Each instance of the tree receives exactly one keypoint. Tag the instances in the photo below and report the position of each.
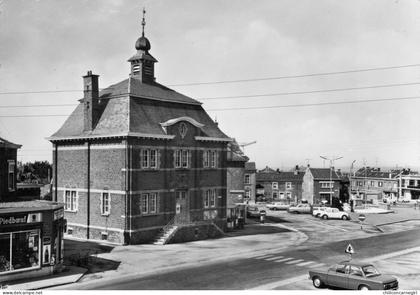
(34, 172)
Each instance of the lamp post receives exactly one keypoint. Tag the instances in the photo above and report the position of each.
(331, 165)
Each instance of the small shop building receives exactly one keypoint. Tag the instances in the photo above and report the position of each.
(31, 239)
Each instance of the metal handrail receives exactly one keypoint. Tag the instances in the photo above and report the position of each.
(169, 224)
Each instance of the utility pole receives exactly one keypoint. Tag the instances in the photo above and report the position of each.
(331, 166)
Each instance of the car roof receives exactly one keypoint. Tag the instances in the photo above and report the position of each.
(355, 263)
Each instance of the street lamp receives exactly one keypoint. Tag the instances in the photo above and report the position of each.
(331, 165)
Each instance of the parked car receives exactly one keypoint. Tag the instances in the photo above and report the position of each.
(317, 211)
(278, 206)
(334, 213)
(252, 211)
(354, 276)
(300, 208)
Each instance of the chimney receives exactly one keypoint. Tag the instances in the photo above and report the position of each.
(90, 101)
(296, 170)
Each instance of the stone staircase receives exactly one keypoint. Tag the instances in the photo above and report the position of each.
(166, 234)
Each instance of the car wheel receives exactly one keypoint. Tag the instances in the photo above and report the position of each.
(344, 217)
(324, 217)
(316, 281)
(363, 288)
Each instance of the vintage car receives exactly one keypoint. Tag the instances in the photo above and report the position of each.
(354, 276)
(316, 211)
(334, 213)
(300, 208)
(278, 206)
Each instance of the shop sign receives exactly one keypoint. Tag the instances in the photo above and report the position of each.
(59, 214)
(12, 220)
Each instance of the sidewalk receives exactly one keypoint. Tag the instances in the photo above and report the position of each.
(397, 214)
(71, 274)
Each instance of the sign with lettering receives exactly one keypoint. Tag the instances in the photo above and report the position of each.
(59, 214)
(13, 220)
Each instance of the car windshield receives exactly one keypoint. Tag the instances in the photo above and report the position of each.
(370, 271)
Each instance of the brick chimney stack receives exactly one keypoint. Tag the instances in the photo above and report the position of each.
(90, 101)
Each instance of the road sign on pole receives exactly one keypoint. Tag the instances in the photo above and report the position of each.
(362, 218)
(349, 249)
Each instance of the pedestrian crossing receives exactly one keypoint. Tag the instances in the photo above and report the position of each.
(289, 260)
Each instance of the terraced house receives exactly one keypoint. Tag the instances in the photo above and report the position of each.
(138, 157)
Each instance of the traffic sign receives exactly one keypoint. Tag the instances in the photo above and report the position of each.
(349, 249)
(362, 217)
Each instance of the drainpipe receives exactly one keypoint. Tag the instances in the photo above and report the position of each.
(88, 192)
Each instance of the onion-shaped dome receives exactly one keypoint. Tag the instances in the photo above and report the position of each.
(143, 43)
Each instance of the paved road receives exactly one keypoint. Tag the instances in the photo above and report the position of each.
(264, 270)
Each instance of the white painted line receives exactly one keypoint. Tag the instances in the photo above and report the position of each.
(273, 258)
(284, 259)
(294, 261)
(305, 263)
(263, 256)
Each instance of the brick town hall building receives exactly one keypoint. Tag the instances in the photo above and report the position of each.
(138, 157)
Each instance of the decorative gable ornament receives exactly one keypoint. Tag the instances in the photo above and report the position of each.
(183, 129)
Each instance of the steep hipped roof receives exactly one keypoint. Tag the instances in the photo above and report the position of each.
(7, 144)
(250, 166)
(324, 174)
(132, 107)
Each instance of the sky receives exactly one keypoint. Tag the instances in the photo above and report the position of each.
(48, 45)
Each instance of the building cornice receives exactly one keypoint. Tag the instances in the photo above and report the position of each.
(216, 139)
(107, 136)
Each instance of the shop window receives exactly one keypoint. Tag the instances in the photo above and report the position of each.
(105, 203)
(70, 200)
(11, 175)
(19, 251)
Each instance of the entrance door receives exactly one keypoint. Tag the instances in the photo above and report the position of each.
(182, 212)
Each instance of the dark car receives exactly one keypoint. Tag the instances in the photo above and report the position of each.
(354, 276)
(252, 211)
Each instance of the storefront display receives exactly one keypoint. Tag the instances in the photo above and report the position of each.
(30, 239)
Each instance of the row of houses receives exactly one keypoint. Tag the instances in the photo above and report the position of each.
(325, 185)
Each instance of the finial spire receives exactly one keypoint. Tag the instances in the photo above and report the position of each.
(143, 22)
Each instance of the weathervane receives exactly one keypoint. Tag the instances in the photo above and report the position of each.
(143, 22)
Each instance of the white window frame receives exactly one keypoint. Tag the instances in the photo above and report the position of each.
(185, 158)
(206, 198)
(213, 198)
(153, 158)
(326, 184)
(213, 159)
(275, 185)
(247, 192)
(288, 195)
(177, 158)
(149, 158)
(275, 194)
(105, 203)
(11, 182)
(73, 200)
(247, 179)
(288, 185)
(153, 203)
(144, 203)
(380, 184)
(206, 159)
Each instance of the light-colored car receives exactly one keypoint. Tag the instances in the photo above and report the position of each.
(317, 211)
(334, 213)
(253, 211)
(300, 208)
(278, 206)
(354, 276)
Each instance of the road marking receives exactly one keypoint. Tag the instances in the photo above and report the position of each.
(273, 258)
(277, 284)
(294, 261)
(263, 256)
(284, 259)
(305, 263)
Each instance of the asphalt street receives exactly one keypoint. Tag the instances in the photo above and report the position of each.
(263, 269)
